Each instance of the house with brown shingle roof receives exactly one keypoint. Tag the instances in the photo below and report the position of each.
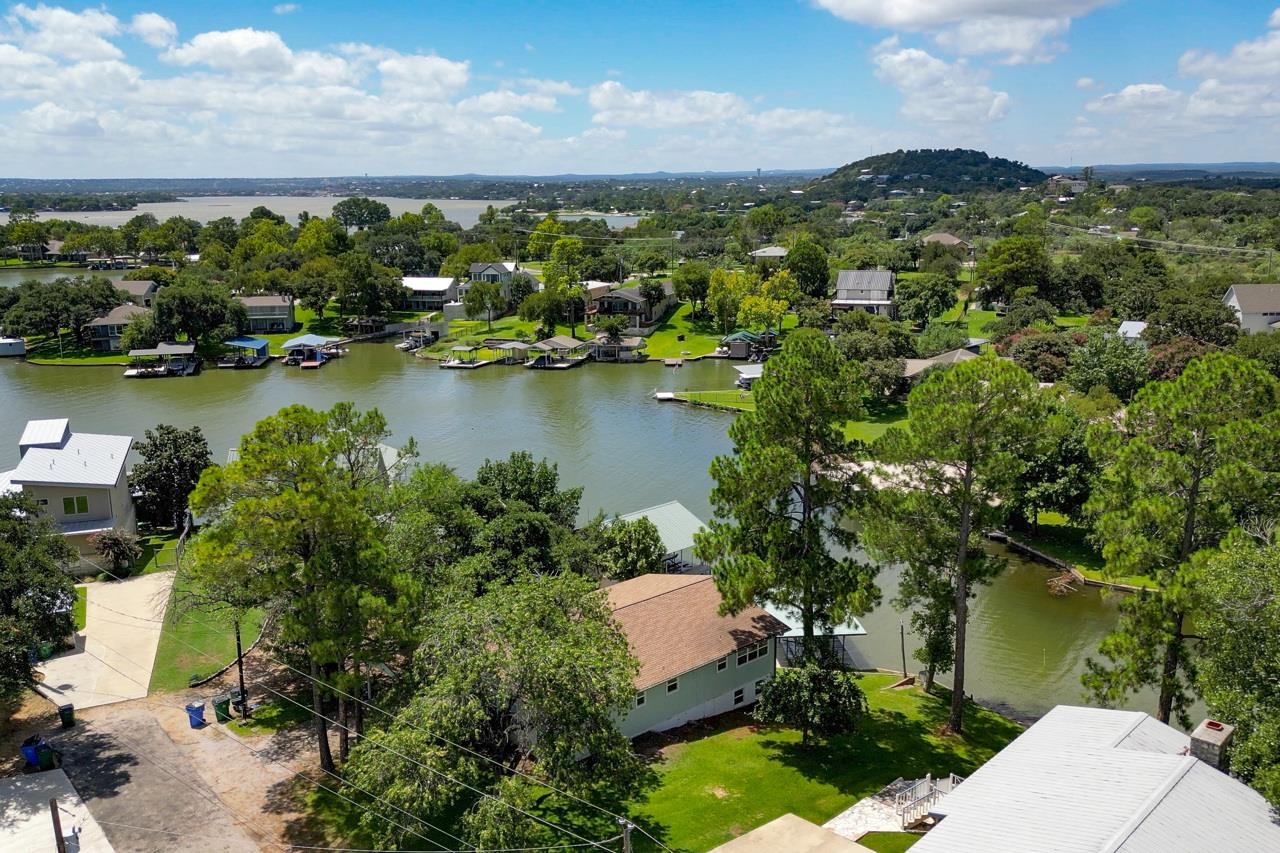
(694, 662)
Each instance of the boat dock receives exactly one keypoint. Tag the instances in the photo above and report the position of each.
(463, 357)
(165, 359)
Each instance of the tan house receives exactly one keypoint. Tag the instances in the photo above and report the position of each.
(105, 331)
(628, 302)
(78, 480)
(694, 662)
(268, 313)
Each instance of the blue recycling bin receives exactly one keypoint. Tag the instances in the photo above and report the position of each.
(195, 714)
(31, 749)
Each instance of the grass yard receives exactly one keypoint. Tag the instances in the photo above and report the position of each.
(1057, 537)
(196, 640)
(732, 399)
(719, 783)
(78, 607)
(889, 842)
(273, 715)
(700, 337)
(159, 552)
(879, 419)
(47, 351)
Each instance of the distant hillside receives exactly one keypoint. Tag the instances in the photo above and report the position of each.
(954, 170)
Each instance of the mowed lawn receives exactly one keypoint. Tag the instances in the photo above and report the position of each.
(736, 776)
(196, 641)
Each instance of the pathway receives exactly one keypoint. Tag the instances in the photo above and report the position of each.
(115, 652)
(870, 814)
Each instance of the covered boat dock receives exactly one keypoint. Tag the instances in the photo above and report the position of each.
(250, 353)
(164, 359)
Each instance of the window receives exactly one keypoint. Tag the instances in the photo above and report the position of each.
(738, 697)
(640, 699)
(673, 685)
(42, 501)
(746, 654)
(78, 505)
(722, 663)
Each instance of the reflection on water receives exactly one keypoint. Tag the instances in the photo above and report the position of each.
(1026, 648)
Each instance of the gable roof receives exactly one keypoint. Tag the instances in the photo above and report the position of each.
(136, 288)
(264, 300)
(500, 266)
(1091, 779)
(676, 525)
(916, 366)
(52, 432)
(307, 340)
(428, 284)
(559, 342)
(120, 315)
(1132, 329)
(864, 286)
(83, 459)
(769, 252)
(944, 238)
(673, 624)
(1256, 298)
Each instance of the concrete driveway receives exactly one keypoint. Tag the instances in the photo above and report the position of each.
(148, 793)
(115, 652)
(25, 821)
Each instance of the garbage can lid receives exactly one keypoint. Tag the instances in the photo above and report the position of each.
(66, 707)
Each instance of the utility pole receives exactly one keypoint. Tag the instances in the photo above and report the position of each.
(244, 697)
(627, 826)
(902, 635)
(58, 840)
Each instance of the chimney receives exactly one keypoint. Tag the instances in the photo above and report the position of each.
(1210, 742)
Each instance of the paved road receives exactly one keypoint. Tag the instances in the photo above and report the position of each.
(25, 821)
(116, 650)
(144, 790)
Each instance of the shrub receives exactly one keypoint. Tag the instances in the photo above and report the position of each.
(117, 547)
(812, 699)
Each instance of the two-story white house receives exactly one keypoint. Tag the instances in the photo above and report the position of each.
(1257, 306)
(429, 293)
(77, 479)
(694, 662)
(268, 313)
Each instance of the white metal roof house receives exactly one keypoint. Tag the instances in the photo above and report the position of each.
(429, 293)
(1257, 306)
(774, 253)
(1130, 331)
(1089, 779)
(865, 290)
(676, 526)
(78, 479)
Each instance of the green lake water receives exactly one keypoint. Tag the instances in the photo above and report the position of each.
(598, 423)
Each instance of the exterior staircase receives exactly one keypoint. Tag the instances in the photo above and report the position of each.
(912, 801)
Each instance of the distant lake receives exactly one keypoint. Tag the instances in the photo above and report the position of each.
(464, 211)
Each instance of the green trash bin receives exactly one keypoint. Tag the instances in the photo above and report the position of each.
(46, 757)
(222, 708)
(67, 714)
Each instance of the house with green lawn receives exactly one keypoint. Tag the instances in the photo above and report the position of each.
(694, 662)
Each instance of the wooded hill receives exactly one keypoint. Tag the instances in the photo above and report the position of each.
(956, 170)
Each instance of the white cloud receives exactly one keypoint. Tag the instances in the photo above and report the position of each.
(156, 30)
(615, 104)
(1016, 29)
(550, 87)
(1138, 98)
(1248, 59)
(1274, 20)
(428, 77)
(936, 92)
(243, 50)
(285, 8)
(507, 101)
(50, 119)
(59, 32)
(1087, 83)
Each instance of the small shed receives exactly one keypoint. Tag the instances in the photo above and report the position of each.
(740, 344)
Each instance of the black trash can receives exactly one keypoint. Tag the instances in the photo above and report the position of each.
(67, 714)
(237, 700)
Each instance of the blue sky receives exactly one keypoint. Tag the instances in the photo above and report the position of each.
(252, 89)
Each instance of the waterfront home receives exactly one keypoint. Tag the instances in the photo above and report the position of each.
(1257, 306)
(78, 480)
(428, 293)
(676, 527)
(268, 313)
(694, 661)
(105, 331)
(624, 349)
(138, 292)
(1093, 779)
(499, 271)
(641, 314)
(865, 290)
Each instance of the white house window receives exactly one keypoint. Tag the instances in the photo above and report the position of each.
(738, 697)
(752, 652)
(640, 699)
(673, 685)
(722, 663)
(78, 505)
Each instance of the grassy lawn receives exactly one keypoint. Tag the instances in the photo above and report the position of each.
(889, 842)
(273, 715)
(879, 418)
(159, 552)
(700, 337)
(732, 398)
(1057, 537)
(47, 351)
(737, 776)
(196, 641)
(77, 608)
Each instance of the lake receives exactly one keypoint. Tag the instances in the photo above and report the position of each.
(465, 212)
(598, 423)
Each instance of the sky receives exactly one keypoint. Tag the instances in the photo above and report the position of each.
(239, 89)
